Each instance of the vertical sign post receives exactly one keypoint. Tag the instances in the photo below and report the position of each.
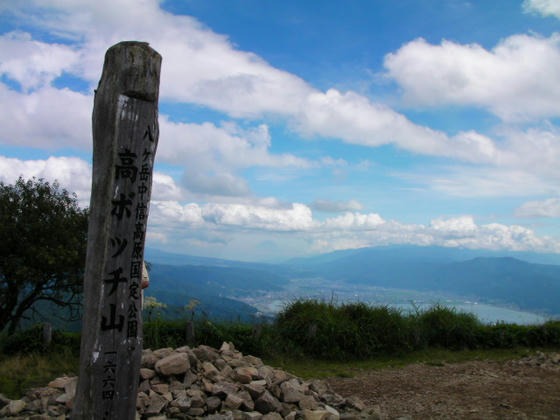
(125, 136)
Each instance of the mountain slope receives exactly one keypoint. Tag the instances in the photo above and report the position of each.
(530, 286)
(484, 275)
(214, 286)
(462, 272)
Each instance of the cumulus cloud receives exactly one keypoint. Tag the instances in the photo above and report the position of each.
(31, 63)
(355, 119)
(454, 227)
(165, 213)
(200, 66)
(203, 67)
(53, 119)
(452, 232)
(164, 187)
(329, 206)
(543, 7)
(497, 236)
(350, 230)
(72, 173)
(212, 155)
(525, 163)
(539, 208)
(515, 80)
(46, 118)
(213, 148)
(297, 217)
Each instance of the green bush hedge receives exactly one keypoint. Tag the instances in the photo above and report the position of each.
(31, 341)
(359, 331)
(324, 330)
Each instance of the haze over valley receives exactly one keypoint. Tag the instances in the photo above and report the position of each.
(495, 286)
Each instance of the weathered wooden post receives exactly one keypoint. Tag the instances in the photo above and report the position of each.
(47, 335)
(125, 136)
(189, 333)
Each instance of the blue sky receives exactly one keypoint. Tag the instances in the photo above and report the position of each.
(294, 128)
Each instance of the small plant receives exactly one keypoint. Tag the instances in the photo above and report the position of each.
(191, 307)
(151, 304)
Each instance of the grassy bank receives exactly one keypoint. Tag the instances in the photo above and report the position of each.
(309, 338)
(433, 356)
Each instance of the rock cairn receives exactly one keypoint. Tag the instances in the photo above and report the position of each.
(203, 382)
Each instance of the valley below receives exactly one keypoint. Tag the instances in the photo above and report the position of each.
(510, 287)
(271, 303)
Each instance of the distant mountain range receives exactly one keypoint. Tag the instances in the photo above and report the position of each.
(514, 278)
(529, 281)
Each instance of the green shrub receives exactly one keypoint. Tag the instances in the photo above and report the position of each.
(445, 327)
(322, 330)
(374, 330)
(353, 330)
(314, 327)
(503, 335)
(31, 341)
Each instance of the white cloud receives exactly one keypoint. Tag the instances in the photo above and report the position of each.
(498, 236)
(352, 221)
(33, 64)
(203, 67)
(535, 150)
(213, 155)
(221, 183)
(215, 148)
(296, 218)
(199, 65)
(169, 213)
(336, 206)
(354, 119)
(452, 232)
(47, 118)
(454, 227)
(516, 80)
(523, 164)
(544, 7)
(539, 208)
(72, 173)
(486, 182)
(164, 187)
(53, 119)
(350, 230)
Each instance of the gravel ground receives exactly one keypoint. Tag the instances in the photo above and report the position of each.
(523, 389)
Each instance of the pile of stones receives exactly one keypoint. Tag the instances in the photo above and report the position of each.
(549, 361)
(202, 382)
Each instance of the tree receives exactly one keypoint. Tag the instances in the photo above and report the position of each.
(43, 235)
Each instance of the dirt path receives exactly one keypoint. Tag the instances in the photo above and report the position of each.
(524, 389)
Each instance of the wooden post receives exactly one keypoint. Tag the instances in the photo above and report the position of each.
(189, 333)
(125, 136)
(47, 335)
